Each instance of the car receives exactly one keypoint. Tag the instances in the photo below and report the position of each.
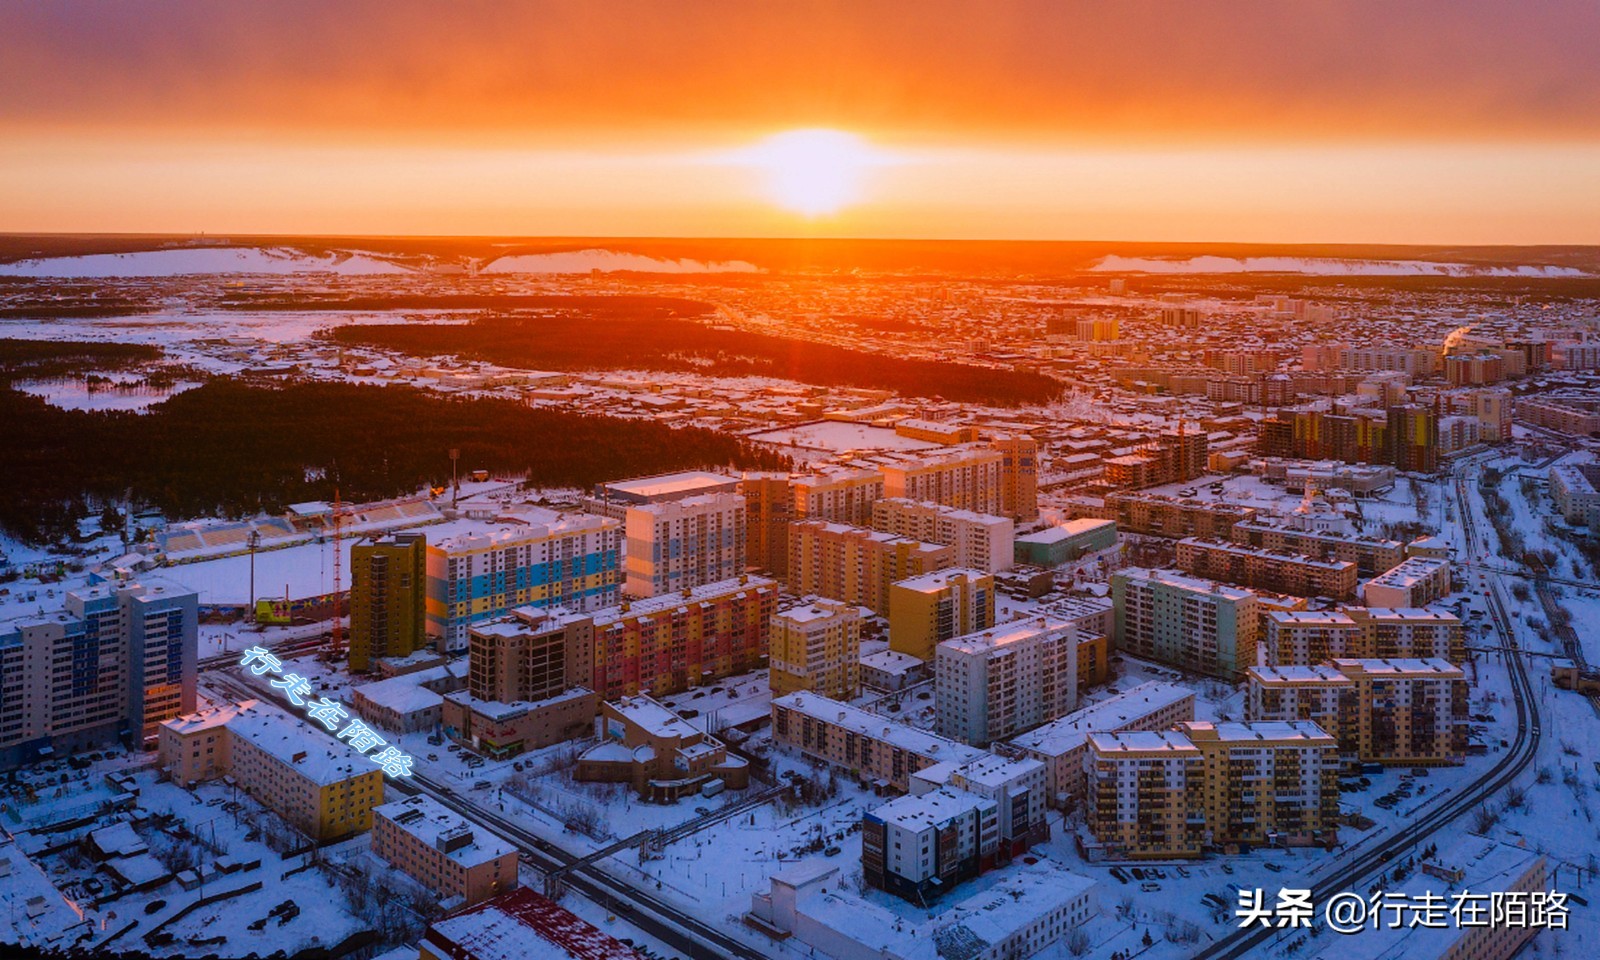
(832, 852)
(482, 785)
(1149, 886)
(703, 811)
(1138, 873)
(1227, 868)
(155, 906)
(433, 756)
(1117, 872)
(1273, 867)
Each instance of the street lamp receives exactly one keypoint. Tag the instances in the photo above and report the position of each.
(455, 484)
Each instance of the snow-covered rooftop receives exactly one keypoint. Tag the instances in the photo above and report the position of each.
(430, 822)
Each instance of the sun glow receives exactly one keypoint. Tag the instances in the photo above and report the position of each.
(814, 172)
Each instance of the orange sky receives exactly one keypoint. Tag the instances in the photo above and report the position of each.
(1465, 121)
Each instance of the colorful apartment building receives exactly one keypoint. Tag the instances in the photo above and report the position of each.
(927, 610)
(673, 642)
(388, 593)
(573, 562)
(111, 666)
(678, 545)
(855, 564)
(816, 646)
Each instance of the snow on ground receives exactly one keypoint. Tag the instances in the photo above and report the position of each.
(606, 261)
(126, 393)
(1323, 266)
(199, 260)
(838, 436)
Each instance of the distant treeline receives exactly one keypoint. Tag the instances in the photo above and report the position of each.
(617, 338)
(234, 449)
(24, 359)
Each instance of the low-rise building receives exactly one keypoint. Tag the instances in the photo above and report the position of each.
(874, 748)
(1066, 542)
(891, 670)
(1415, 582)
(317, 784)
(644, 744)
(499, 729)
(460, 861)
(1575, 493)
(517, 926)
(1021, 914)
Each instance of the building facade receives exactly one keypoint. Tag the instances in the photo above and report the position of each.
(1010, 678)
(388, 594)
(682, 544)
(573, 563)
(925, 611)
(981, 541)
(816, 646)
(460, 861)
(857, 565)
(1185, 621)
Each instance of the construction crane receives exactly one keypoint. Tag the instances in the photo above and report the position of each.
(336, 634)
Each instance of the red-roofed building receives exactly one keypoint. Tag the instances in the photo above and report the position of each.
(517, 926)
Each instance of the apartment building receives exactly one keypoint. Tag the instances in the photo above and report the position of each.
(1202, 785)
(317, 784)
(1185, 621)
(927, 610)
(460, 861)
(873, 748)
(1144, 796)
(1414, 582)
(1019, 476)
(501, 729)
(1371, 555)
(981, 541)
(917, 846)
(1575, 493)
(519, 925)
(1061, 744)
(574, 562)
(1162, 516)
(1007, 679)
(673, 642)
(968, 477)
(857, 565)
(1015, 784)
(1276, 570)
(388, 593)
(1318, 693)
(816, 646)
(841, 496)
(111, 666)
(1317, 636)
(768, 510)
(1411, 712)
(1575, 412)
(682, 544)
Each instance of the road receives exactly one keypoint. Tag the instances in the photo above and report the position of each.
(1351, 875)
(685, 933)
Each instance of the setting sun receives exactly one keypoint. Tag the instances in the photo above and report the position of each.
(814, 172)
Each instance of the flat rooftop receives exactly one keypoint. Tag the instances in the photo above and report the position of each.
(1070, 732)
(920, 742)
(428, 821)
(669, 485)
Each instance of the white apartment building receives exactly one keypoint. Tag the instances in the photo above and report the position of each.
(982, 541)
(1007, 679)
(682, 544)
